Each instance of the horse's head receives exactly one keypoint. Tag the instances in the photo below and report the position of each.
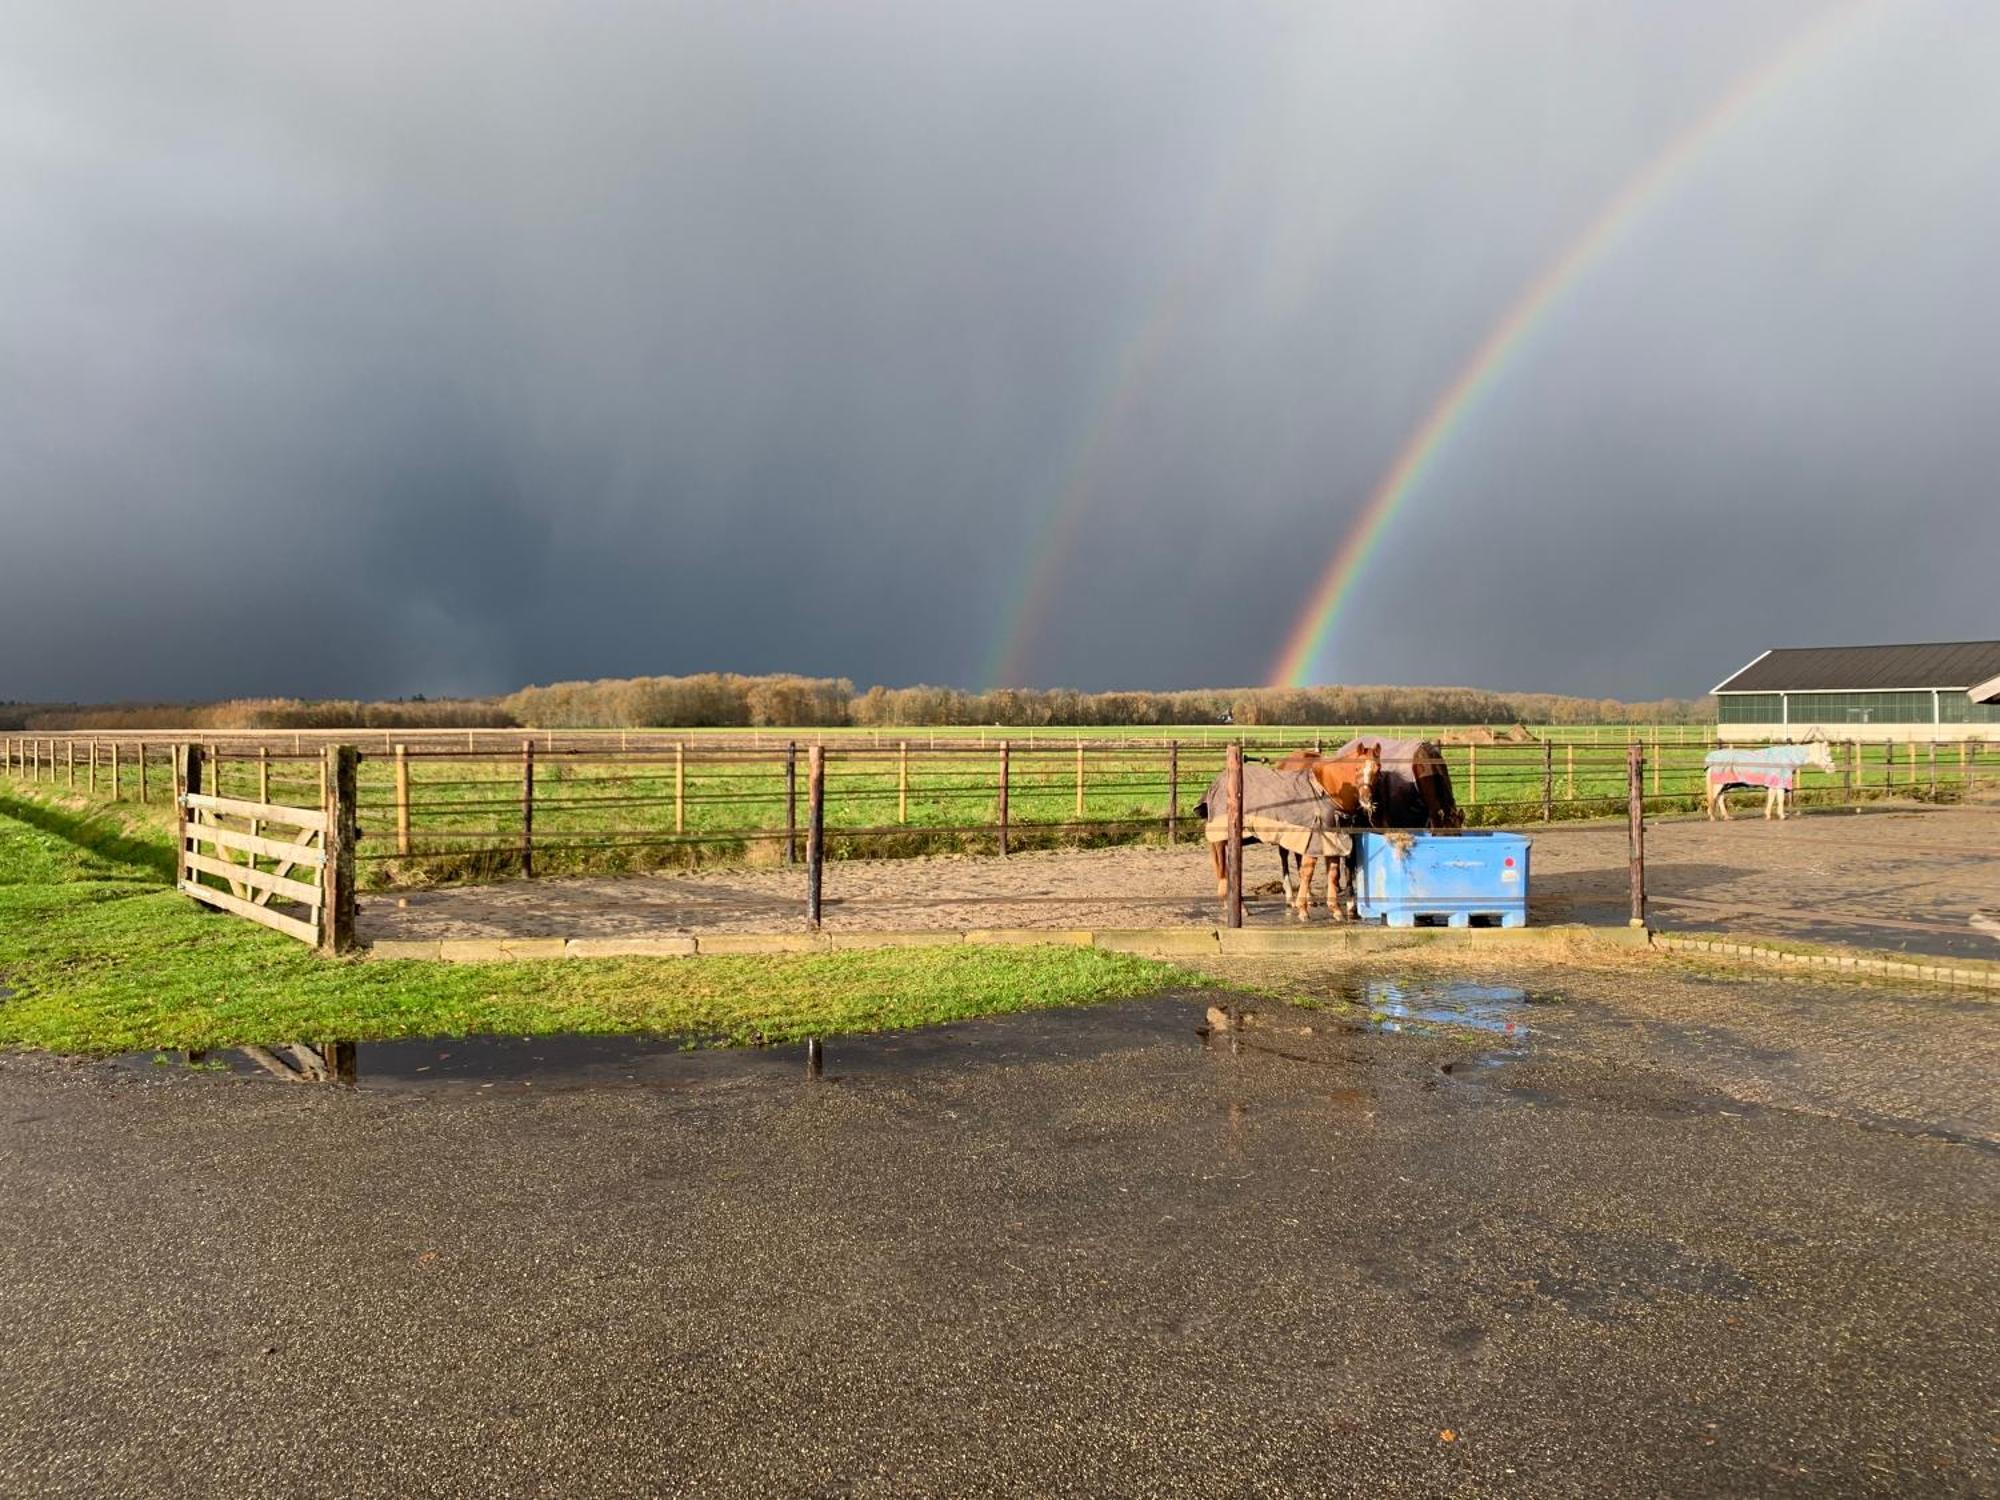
(1367, 771)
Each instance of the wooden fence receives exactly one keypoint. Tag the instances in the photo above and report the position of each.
(283, 831)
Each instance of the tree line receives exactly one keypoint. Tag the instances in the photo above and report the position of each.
(712, 700)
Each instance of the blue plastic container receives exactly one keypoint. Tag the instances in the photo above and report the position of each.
(1442, 879)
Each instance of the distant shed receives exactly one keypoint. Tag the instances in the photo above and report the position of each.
(1939, 690)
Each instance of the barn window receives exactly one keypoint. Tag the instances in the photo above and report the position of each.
(1749, 708)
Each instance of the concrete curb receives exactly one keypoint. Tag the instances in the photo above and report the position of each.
(1149, 942)
(1775, 953)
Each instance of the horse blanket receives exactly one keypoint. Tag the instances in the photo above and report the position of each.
(1283, 808)
(1766, 766)
(1406, 764)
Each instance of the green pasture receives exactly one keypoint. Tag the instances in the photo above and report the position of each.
(99, 954)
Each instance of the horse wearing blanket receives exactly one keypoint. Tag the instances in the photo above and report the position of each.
(1775, 768)
(1302, 812)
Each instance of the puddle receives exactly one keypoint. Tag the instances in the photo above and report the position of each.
(1428, 1007)
(1398, 1005)
(566, 1062)
(560, 1063)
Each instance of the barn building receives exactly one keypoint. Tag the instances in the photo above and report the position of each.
(1944, 691)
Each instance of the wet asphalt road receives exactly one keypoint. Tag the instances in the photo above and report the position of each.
(1089, 1253)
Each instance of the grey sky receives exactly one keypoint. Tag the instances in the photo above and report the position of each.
(375, 349)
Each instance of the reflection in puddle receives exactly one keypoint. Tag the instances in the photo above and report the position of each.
(503, 1063)
(549, 1064)
(1396, 1006)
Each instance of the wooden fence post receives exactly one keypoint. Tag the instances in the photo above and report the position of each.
(1849, 761)
(1471, 774)
(1932, 750)
(1964, 774)
(680, 786)
(69, 758)
(1233, 917)
(903, 782)
(142, 772)
(1635, 779)
(528, 808)
(1569, 772)
(1173, 790)
(187, 782)
(1548, 781)
(1003, 797)
(1079, 778)
(402, 800)
(337, 894)
(792, 803)
(815, 831)
(117, 788)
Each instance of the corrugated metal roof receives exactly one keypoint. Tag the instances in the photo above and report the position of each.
(1857, 669)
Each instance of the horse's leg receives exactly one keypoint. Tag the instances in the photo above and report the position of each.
(1285, 871)
(1708, 802)
(1216, 849)
(1303, 906)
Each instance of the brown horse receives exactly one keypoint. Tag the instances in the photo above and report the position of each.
(1349, 783)
(1349, 780)
(1412, 788)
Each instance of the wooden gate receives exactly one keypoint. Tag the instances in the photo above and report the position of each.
(284, 867)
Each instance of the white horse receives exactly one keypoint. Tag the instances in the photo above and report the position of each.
(1772, 768)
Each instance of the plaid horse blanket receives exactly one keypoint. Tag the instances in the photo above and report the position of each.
(1285, 808)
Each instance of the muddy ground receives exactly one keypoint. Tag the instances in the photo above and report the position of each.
(1583, 1232)
(1890, 876)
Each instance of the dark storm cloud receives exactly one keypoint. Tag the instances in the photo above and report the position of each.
(370, 350)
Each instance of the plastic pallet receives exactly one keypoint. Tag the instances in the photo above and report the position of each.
(1456, 918)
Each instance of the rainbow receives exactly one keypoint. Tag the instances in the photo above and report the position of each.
(1055, 532)
(1127, 377)
(1496, 352)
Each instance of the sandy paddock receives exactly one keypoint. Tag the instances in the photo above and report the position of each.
(1890, 876)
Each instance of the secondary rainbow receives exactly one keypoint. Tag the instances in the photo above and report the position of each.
(1495, 352)
(1055, 530)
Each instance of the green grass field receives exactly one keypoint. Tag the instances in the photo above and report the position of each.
(99, 955)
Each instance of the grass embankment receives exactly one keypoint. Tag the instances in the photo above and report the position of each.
(102, 956)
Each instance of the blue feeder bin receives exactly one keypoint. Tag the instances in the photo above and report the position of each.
(1442, 879)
